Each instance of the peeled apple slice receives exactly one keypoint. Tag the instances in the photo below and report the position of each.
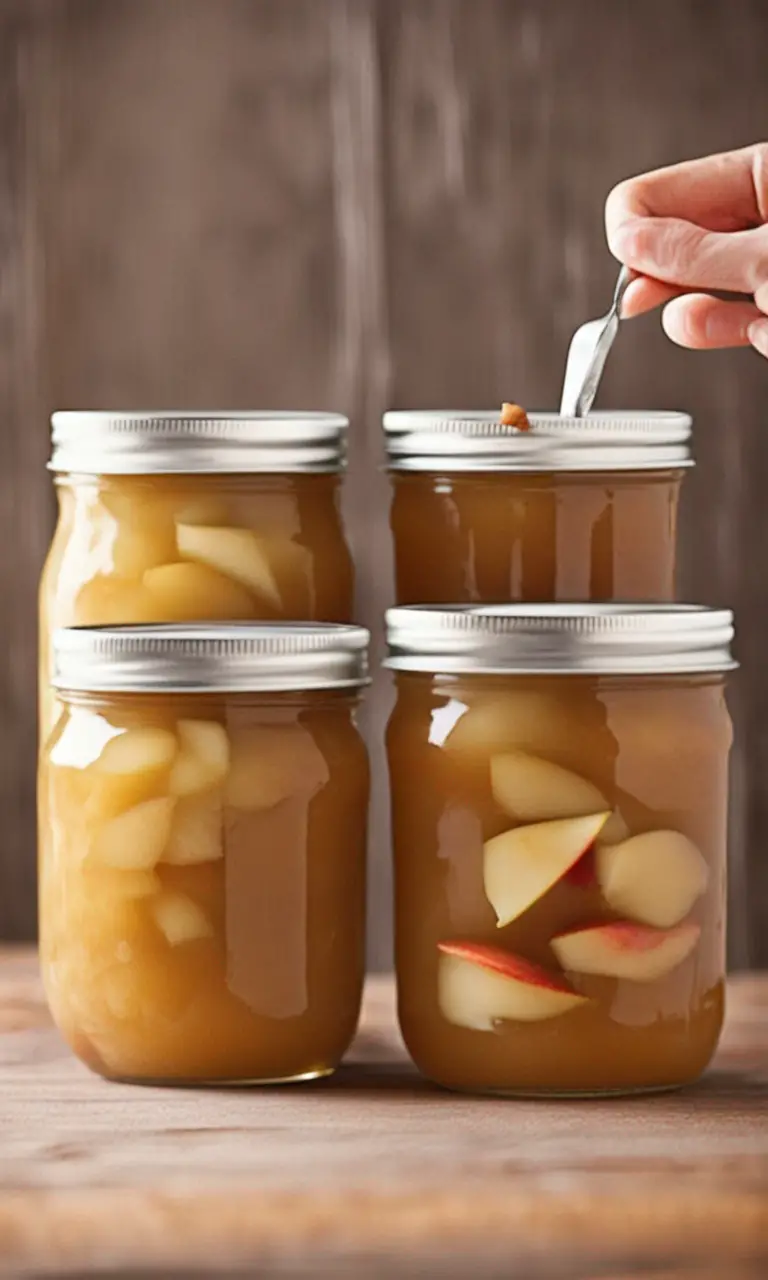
(138, 751)
(180, 919)
(269, 764)
(237, 553)
(105, 600)
(626, 950)
(520, 865)
(146, 539)
(535, 790)
(188, 592)
(135, 840)
(526, 719)
(479, 985)
(196, 831)
(655, 877)
(203, 760)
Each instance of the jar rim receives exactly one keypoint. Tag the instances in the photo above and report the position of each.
(210, 658)
(616, 440)
(560, 639)
(180, 441)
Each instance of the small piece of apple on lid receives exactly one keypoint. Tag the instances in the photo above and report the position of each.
(655, 877)
(623, 949)
(520, 865)
(479, 985)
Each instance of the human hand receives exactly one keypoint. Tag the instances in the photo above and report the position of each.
(698, 225)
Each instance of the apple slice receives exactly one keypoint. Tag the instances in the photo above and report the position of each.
(138, 751)
(189, 592)
(237, 553)
(525, 719)
(522, 864)
(145, 539)
(196, 831)
(583, 875)
(107, 598)
(626, 950)
(535, 790)
(655, 877)
(135, 840)
(203, 760)
(479, 985)
(272, 762)
(180, 919)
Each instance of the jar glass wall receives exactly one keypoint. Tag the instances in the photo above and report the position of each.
(202, 881)
(571, 510)
(560, 862)
(487, 537)
(188, 530)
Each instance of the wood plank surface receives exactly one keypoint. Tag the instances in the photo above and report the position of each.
(375, 1172)
(352, 203)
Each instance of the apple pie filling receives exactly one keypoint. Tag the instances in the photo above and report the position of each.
(559, 845)
(202, 873)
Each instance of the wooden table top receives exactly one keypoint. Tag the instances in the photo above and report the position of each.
(374, 1172)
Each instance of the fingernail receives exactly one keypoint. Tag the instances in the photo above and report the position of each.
(719, 328)
(757, 333)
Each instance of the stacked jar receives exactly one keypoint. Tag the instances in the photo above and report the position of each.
(558, 757)
(203, 786)
(187, 517)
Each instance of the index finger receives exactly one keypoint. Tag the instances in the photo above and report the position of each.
(726, 192)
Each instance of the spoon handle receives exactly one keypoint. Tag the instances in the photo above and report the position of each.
(588, 353)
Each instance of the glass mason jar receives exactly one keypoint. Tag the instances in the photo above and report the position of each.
(574, 509)
(186, 517)
(203, 803)
(559, 782)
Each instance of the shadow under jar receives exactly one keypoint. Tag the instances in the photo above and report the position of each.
(559, 780)
(574, 509)
(187, 517)
(203, 806)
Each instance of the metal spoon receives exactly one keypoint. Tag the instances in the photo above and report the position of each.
(588, 353)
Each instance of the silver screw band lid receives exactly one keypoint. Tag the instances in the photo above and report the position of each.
(431, 439)
(175, 441)
(210, 658)
(560, 639)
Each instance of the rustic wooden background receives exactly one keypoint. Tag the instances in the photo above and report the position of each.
(355, 204)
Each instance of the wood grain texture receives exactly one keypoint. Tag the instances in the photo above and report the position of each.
(350, 203)
(375, 1172)
(25, 504)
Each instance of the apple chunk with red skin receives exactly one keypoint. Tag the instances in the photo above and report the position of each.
(522, 864)
(479, 985)
(624, 949)
(655, 877)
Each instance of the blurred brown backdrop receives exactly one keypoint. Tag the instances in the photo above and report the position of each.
(350, 204)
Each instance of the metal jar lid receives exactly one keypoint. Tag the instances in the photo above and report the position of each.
(210, 658)
(560, 639)
(432, 439)
(107, 443)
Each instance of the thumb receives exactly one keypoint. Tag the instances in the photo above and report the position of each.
(684, 254)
